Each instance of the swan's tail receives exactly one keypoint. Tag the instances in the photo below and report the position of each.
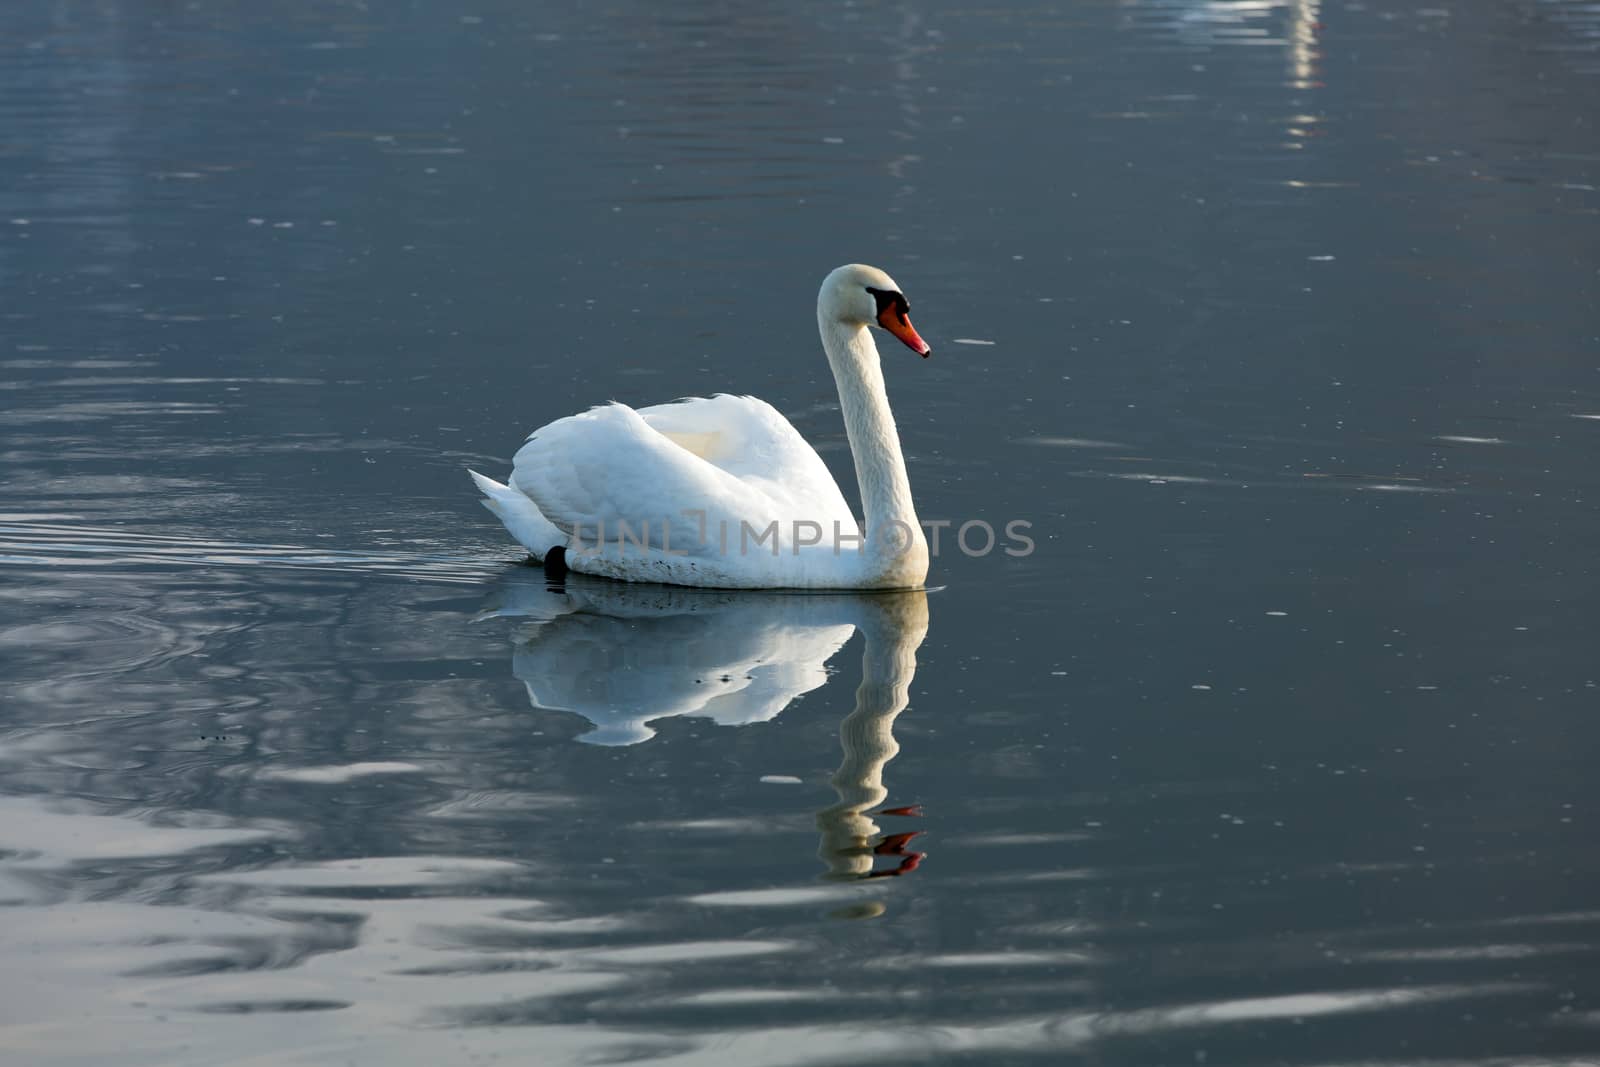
(520, 515)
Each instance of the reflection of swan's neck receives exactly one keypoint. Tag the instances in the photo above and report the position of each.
(874, 440)
(893, 632)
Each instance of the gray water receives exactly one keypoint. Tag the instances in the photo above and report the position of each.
(1277, 749)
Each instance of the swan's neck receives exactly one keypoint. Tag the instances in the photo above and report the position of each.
(886, 504)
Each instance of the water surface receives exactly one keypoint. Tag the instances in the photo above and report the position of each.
(1276, 320)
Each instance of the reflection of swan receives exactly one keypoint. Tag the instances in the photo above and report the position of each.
(686, 493)
(623, 656)
(894, 628)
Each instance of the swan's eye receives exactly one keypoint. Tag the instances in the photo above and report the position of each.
(889, 300)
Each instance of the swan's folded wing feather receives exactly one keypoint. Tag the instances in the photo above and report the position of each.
(751, 440)
(608, 466)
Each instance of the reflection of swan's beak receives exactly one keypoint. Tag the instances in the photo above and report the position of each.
(913, 811)
(900, 325)
(895, 845)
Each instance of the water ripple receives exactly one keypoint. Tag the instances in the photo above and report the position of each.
(73, 545)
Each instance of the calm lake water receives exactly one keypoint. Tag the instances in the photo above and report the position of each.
(1276, 320)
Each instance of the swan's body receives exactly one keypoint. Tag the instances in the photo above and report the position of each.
(723, 491)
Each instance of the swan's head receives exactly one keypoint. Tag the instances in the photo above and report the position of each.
(859, 295)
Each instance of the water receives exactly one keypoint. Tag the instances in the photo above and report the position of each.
(1277, 749)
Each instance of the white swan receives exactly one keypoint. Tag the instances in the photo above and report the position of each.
(723, 491)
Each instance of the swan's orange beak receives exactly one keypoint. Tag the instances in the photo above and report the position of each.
(899, 324)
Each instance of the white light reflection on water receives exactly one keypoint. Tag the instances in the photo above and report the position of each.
(1289, 24)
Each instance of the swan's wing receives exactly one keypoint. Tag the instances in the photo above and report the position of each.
(751, 440)
(608, 466)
